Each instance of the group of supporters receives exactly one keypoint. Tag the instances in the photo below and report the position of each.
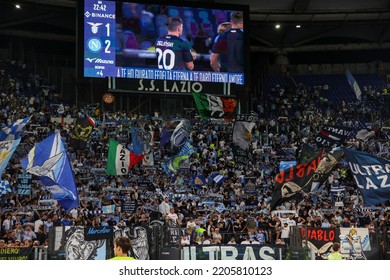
(230, 209)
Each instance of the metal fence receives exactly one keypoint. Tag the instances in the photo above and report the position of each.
(163, 241)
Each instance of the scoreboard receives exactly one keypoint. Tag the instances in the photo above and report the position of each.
(119, 41)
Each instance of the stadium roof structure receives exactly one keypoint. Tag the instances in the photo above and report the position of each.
(304, 25)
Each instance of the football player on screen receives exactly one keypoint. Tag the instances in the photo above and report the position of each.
(173, 52)
(228, 50)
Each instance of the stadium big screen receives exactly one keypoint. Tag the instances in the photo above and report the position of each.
(167, 48)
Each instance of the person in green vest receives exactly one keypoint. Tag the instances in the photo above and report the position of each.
(335, 255)
(122, 246)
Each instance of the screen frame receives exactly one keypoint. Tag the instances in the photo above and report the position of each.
(80, 41)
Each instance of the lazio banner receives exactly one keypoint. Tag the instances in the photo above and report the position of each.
(371, 174)
(118, 161)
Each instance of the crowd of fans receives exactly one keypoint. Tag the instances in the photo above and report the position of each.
(209, 213)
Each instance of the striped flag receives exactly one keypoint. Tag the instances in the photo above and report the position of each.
(4, 187)
(219, 179)
(118, 161)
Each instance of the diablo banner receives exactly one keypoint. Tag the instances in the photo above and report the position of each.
(320, 240)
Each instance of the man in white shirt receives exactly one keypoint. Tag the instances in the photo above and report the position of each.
(164, 208)
(172, 217)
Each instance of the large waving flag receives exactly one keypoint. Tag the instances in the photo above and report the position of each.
(372, 176)
(211, 106)
(306, 177)
(351, 80)
(81, 132)
(12, 132)
(48, 160)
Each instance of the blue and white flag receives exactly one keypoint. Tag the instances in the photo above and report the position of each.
(354, 85)
(335, 188)
(219, 179)
(4, 187)
(372, 176)
(7, 148)
(48, 160)
(12, 132)
(220, 207)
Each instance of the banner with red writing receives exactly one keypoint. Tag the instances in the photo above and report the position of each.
(320, 240)
(306, 177)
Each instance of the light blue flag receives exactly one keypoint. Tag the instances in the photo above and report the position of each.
(108, 209)
(351, 80)
(12, 132)
(7, 148)
(48, 161)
